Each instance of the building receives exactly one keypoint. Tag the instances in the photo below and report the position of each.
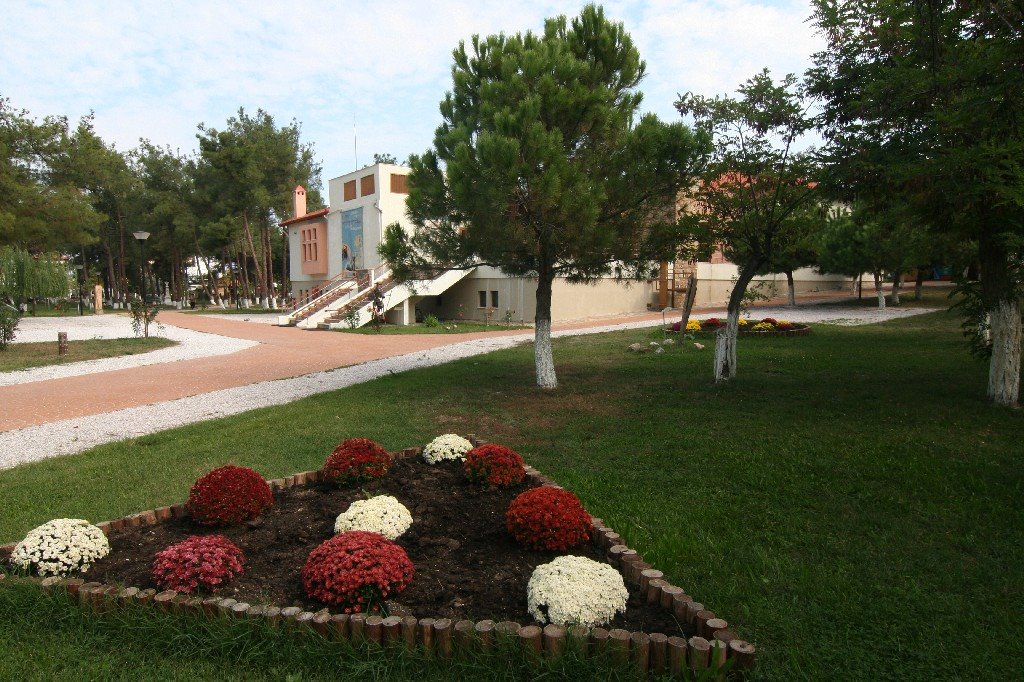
(334, 264)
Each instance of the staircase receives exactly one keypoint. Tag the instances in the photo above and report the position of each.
(334, 294)
(395, 294)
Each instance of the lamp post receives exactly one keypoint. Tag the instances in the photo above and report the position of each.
(79, 273)
(142, 236)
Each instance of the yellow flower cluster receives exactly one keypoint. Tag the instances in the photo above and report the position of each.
(744, 322)
(693, 326)
(763, 327)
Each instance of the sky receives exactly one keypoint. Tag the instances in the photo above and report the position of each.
(372, 72)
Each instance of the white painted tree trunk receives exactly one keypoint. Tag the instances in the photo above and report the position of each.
(879, 292)
(896, 289)
(1004, 366)
(791, 289)
(725, 348)
(543, 359)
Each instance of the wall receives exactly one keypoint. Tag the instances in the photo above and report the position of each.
(605, 298)
(715, 283)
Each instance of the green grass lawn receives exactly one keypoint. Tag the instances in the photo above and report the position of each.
(39, 354)
(442, 328)
(850, 503)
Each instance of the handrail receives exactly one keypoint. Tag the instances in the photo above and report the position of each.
(322, 292)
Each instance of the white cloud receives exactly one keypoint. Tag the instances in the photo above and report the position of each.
(156, 70)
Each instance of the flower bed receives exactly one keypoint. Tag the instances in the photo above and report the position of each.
(466, 565)
(767, 326)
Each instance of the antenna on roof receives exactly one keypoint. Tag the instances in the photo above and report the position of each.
(355, 142)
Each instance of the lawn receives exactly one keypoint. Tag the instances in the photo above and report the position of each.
(39, 354)
(850, 503)
(441, 328)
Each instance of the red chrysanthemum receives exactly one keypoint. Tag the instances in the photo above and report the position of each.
(548, 518)
(355, 569)
(228, 495)
(495, 465)
(199, 561)
(356, 459)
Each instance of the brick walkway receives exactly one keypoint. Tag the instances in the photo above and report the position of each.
(283, 352)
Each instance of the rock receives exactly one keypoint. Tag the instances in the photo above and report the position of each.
(668, 342)
(698, 346)
(638, 348)
(659, 350)
(654, 344)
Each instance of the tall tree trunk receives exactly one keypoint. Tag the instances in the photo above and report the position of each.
(691, 296)
(725, 339)
(543, 359)
(791, 289)
(878, 290)
(269, 258)
(918, 283)
(260, 270)
(896, 277)
(285, 275)
(1003, 306)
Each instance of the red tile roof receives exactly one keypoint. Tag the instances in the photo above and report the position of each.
(309, 216)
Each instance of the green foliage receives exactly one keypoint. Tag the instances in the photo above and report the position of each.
(142, 315)
(9, 318)
(385, 158)
(24, 276)
(431, 321)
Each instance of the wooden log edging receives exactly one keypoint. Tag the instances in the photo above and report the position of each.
(712, 646)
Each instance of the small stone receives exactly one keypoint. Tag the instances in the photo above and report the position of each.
(654, 344)
(659, 350)
(698, 346)
(637, 348)
(668, 342)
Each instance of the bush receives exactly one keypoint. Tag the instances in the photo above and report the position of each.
(382, 514)
(355, 570)
(548, 518)
(228, 495)
(431, 321)
(574, 590)
(60, 547)
(9, 319)
(206, 561)
(356, 459)
(495, 465)
(763, 327)
(450, 446)
(771, 320)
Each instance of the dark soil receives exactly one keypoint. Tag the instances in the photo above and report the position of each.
(467, 565)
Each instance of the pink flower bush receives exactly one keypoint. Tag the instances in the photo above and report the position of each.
(206, 561)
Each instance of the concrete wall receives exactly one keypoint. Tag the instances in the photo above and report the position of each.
(605, 298)
(715, 283)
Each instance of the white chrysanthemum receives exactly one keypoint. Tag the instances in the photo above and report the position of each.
(574, 590)
(382, 514)
(448, 446)
(61, 547)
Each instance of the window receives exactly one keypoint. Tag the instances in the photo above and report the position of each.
(399, 184)
(366, 186)
(494, 299)
(350, 190)
(309, 244)
(483, 299)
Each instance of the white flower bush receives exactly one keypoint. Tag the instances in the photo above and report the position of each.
(448, 446)
(61, 547)
(574, 590)
(382, 514)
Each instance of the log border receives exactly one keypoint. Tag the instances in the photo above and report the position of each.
(712, 646)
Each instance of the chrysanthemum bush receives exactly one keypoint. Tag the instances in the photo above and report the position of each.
(356, 569)
(573, 590)
(494, 465)
(548, 518)
(382, 514)
(450, 446)
(228, 495)
(206, 561)
(60, 547)
(356, 459)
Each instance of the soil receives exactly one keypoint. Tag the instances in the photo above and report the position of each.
(467, 565)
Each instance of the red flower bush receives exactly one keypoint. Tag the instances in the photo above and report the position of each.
(785, 326)
(356, 459)
(355, 569)
(548, 518)
(206, 561)
(711, 322)
(494, 465)
(228, 495)
(772, 321)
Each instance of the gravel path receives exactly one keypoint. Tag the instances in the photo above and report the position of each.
(190, 345)
(76, 435)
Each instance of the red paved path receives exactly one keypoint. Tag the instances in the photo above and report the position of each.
(283, 352)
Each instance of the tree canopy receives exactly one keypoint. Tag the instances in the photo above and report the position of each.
(542, 167)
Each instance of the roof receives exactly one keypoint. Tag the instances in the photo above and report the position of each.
(309, 216)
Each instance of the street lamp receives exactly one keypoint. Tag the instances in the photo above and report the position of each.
(78, 276)
(142, 236)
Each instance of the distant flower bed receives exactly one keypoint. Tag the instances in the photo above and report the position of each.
(768, 326)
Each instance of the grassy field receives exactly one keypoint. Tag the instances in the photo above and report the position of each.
(26, 355)
(850, 503)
